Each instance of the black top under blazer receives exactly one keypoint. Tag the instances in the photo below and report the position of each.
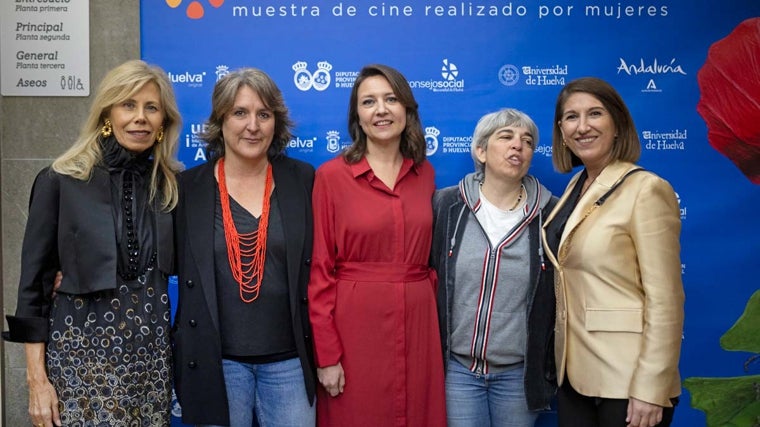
(198, 375)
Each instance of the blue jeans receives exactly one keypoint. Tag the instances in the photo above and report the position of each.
(474, 400)
(274, 393)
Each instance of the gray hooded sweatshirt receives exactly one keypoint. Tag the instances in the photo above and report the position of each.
(490, 301)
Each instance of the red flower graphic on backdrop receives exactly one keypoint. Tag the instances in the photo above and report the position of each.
(194, 9)
(729, 85)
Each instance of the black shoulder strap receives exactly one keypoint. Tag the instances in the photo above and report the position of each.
(617, 184)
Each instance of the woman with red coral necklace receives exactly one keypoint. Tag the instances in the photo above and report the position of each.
(244, 233)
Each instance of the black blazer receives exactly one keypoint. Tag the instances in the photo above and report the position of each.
(71, 228)
(198, 376)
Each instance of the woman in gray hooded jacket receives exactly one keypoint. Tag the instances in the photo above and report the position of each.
(495, 295)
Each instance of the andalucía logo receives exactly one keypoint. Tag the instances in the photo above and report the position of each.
(652, 69)
(305, 80)
(194, 9)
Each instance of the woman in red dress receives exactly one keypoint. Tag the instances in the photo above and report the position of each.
(372, 295)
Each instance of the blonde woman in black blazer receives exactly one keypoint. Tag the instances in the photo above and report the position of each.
(101, 216)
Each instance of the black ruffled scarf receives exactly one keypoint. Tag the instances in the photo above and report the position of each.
(118, 158)
(130, 178)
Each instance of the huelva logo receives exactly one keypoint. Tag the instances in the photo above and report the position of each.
(194, 9)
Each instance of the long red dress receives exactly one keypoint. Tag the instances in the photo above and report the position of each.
(372, 296)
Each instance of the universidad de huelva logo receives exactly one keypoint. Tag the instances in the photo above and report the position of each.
(194, 9)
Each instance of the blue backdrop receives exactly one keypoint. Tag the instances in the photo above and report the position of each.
(468, 58)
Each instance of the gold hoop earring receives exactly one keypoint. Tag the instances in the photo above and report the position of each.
(107, 129)
(160, 135)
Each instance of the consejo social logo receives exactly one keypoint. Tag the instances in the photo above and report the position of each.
(194, 9)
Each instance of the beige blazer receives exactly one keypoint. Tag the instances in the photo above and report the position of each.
(619, 292)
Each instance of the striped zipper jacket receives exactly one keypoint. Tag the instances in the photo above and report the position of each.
(530, 340)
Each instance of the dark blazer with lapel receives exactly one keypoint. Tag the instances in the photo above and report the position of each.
(198, 376)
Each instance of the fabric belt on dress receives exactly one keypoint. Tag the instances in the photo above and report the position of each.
(382, 272)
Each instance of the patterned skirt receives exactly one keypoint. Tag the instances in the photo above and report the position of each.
(109, 355)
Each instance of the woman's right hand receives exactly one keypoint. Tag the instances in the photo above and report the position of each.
(43, 400)
(332, 379)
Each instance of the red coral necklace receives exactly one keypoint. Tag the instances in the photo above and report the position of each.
(251, 246)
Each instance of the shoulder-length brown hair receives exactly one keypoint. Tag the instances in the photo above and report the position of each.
(626, 147)
(223, 99)
(412, 140)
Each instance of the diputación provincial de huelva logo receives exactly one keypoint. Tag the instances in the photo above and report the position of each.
(194, 9)
(431, 140)
(436, 142)
(305, 80)
(449, 82)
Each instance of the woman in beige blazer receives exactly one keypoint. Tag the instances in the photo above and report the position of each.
(614, 241)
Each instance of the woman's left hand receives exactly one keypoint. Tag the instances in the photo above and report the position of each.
(643, 414)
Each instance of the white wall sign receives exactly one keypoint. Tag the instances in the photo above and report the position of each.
(45, 47)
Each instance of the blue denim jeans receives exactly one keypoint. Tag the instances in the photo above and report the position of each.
(474, 400)
(273, 393)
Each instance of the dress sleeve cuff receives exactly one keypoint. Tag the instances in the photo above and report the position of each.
(26, 329)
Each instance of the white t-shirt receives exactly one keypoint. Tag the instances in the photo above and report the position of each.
(497, 222)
